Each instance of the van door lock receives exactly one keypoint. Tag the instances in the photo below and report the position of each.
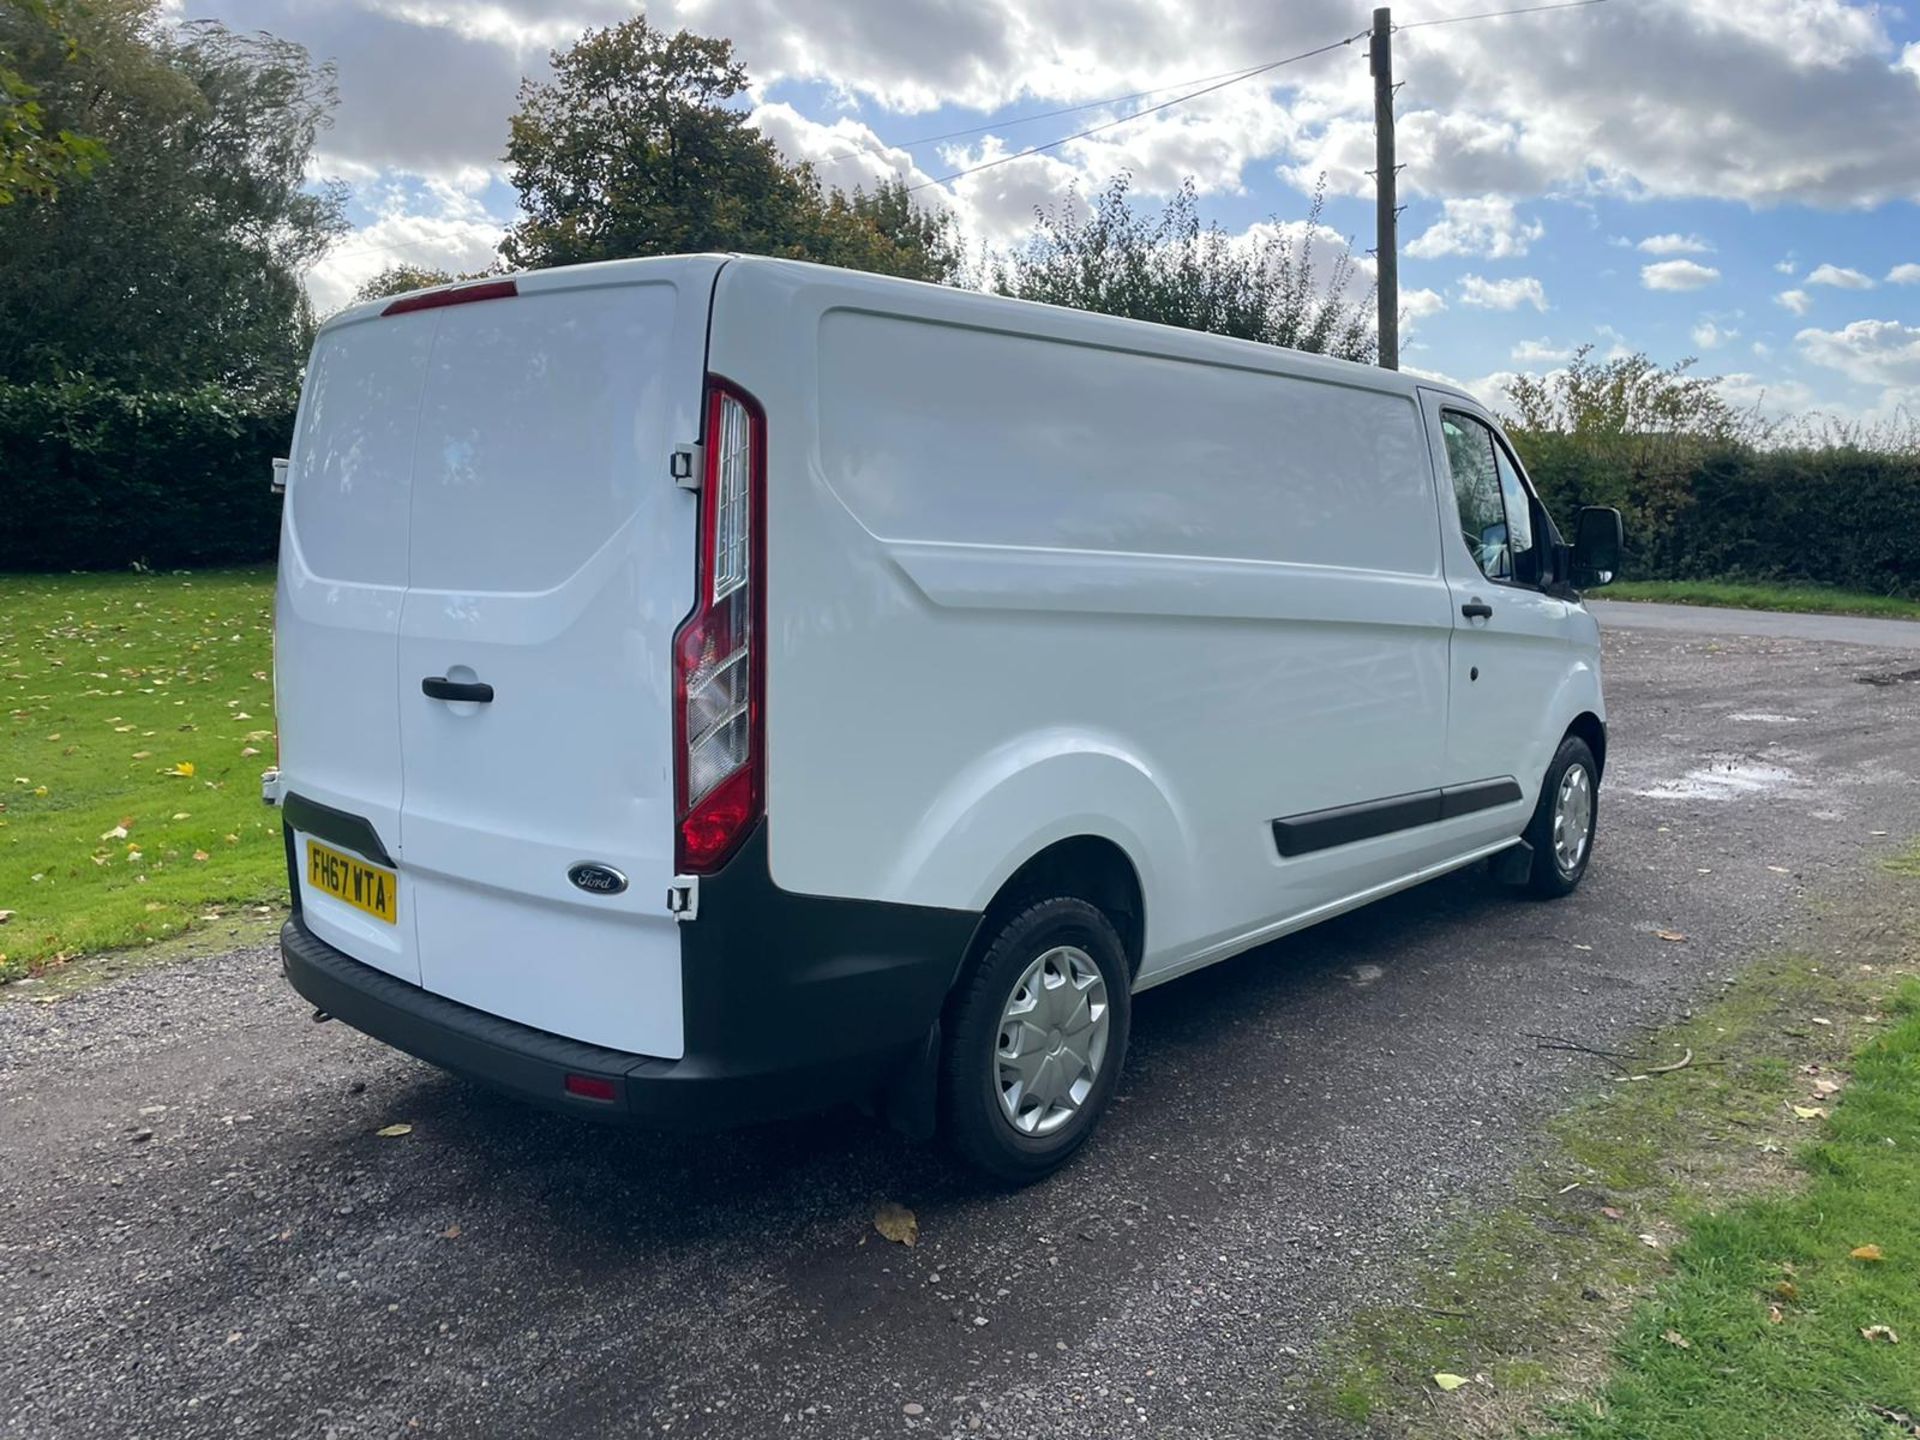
(685, 467)
(683, 897)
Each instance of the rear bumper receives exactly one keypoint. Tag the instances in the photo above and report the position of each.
(793, 1004)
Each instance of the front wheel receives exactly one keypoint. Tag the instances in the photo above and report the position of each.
(1561, 832)
(1035, 1037)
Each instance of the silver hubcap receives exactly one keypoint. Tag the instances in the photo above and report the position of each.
(1572, 818)
(1053, 1038)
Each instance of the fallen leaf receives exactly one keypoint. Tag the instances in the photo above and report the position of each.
(1675, 1338)
(896, 1223)
(1818, 1020)
(1879, 1332)
(250, 750)
(184, 768)
(1774, 1317)
(1779, 869)
(201, 855)
(1673, 936)
(1448, 1381)
(181, 815)
(1826, 1087)
(5, 915)
(452, 1232)
(119, 832)
(1612, 1213)
(1866, 1252)
(1787, 1291)
(393, 1132)
(1810, 1112)
(1652, 1242)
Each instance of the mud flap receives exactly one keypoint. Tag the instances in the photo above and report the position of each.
(1513, 865)
(909, 1103)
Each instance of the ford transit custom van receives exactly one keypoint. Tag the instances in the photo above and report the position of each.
(712, 688)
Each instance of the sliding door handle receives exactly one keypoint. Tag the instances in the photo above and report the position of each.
(1477, 609)
(438, 687)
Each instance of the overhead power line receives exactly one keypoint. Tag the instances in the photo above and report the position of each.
(1498, 14)
(1138, 114)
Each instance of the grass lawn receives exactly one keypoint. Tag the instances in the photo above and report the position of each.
(1804, 599)
(1684, 1257)
(139, 715)
(1798, 1314)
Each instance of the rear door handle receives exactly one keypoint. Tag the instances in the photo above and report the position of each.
(438, 687)
(1477, 610)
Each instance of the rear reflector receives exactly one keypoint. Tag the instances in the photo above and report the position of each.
(457, 295)
(591, 1087)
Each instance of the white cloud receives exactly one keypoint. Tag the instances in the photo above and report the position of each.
(1873, 352)
(1767, 101)
(1677, 275)
(1840, 277)
(1417, 305)
(1761, 350)
(1486, 226)
(1907, 274)
(1798, 301)
(437, 222)
(1672, 244)
(1540, 352)
(1502, 294)
(1787, 266)
(1771, 398)
(1709, 336)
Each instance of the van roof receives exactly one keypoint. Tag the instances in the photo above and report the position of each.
(1093, 326)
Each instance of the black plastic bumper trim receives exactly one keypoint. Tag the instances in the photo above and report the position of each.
(1315, 830)
(339, 827)
(792, 1003)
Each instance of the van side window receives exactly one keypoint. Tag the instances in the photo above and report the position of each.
(1476, 489)
(1524, 557)
(1496, 509)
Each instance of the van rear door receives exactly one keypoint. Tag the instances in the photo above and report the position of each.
(343, 579)
(550, 558)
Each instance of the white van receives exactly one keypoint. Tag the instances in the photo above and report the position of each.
(712, 688)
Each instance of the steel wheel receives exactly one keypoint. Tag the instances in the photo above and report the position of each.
(1052, 1040)
(1572, 818)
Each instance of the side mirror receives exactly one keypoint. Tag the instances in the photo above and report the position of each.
(1598, 538)
(279, 477)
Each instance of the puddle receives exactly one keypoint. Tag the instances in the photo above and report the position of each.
(1763, 717)
(1721, 780)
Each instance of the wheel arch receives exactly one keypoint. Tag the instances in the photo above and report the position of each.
(1089, 867)
(1592, 729)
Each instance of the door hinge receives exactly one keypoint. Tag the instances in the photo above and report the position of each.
(685, 466)
(683, 897)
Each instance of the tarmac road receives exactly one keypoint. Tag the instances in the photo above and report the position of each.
(1292, 1127)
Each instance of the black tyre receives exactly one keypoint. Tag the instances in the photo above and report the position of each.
(1035, 1035)
(1561, 831)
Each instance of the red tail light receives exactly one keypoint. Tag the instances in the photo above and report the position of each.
(719, 661)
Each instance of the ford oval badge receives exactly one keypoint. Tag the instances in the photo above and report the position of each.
(597, 879)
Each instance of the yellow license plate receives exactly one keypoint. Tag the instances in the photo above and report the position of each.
(363, 886)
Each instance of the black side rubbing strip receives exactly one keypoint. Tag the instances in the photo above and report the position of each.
(1481, 795)
(1344, 824)
(337, 827)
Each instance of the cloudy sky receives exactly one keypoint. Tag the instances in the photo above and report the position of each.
(1733, 179)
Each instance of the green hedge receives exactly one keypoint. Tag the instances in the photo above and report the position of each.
(92, 477)
(1840, 517)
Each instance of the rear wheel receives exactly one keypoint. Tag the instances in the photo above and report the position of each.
(1561, 832)
(1035, 1038)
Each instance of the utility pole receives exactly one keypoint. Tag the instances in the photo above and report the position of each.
(1386, 251)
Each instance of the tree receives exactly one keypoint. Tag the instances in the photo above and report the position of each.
(176, 262)
(1626, 398)
(633, 149)
(33, 162)
(1169, 269)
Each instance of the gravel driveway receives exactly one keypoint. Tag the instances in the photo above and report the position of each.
(203, 1235)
